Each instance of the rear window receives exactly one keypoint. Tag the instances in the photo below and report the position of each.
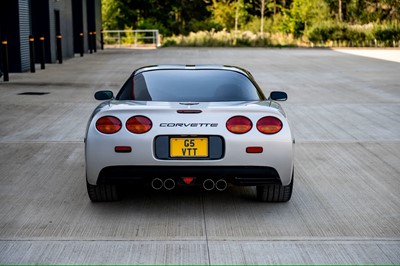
(189, 86)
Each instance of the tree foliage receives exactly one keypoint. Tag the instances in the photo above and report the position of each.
(303, 14)
(170, 16)
(223, 13)
(297, 17)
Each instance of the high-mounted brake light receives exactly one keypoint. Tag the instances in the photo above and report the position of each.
(188, 111)
(269, 125)
(139, 124)
(108, 125)
(239, 124)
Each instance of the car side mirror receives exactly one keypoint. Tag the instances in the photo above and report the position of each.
(103, 95)
(278, 96)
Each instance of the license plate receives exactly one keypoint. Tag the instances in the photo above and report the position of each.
(188, 147)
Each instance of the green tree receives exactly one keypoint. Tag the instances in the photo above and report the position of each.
(302, 15)
(168, 15)
(223, 13)
(288, 16)
(262, 7)
(115, 14)
(230, 14)
(364, 11)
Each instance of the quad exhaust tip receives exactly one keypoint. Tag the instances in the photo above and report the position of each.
(157, 184)
(169, 184)
(221, 185)
(208, 184)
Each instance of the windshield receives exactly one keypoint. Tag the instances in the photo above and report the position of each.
(183, 85)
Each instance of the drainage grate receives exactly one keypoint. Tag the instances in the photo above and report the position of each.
(33, 93)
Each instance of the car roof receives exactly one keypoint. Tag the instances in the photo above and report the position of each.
(192, 67)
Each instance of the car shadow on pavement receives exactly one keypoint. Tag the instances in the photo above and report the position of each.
(133, 193)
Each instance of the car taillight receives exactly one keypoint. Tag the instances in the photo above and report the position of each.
(269, 125)
(139, 124)
(239, 124)
(108, 124)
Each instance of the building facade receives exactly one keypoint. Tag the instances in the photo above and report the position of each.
(71, 20)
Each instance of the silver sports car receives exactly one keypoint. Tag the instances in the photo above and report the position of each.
(190, 125)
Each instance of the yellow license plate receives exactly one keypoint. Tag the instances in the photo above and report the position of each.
(188, 147)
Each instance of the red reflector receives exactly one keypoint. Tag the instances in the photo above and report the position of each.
(123, 149)
(188, 180)
(254, 149)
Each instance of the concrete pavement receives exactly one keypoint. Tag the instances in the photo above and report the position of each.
(344, 110)
(389, 54)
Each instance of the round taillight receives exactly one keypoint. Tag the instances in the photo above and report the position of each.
(108, 125)
(139, 124)
(239, 124)
(269, 125)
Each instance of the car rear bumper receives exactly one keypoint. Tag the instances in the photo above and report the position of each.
(236, 175)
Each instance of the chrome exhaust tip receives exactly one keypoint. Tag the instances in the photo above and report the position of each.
(221, 185)
(169, 184)
(157, 184)
(208, 184)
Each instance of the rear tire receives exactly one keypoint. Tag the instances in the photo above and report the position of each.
(275, 193)
(102, 192)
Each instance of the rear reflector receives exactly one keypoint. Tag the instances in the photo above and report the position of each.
(108, 125)
(239, 124)
(254, 149)
(123, 149)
